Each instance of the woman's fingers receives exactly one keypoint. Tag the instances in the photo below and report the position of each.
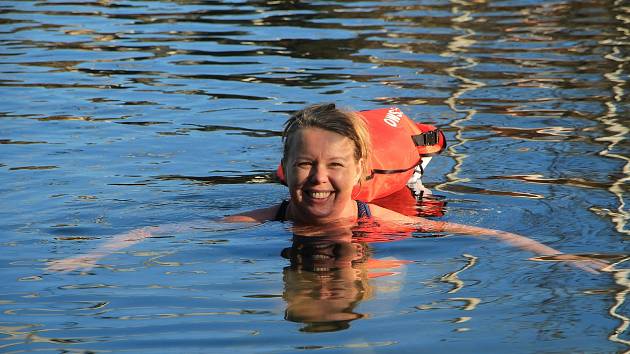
(590, 264)
(74, 263)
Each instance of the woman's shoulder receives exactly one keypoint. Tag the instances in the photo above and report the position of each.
(385, 214)
(257, 215)
(380, 212)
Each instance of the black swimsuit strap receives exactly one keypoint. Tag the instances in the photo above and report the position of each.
(281, 214)
(363, 210)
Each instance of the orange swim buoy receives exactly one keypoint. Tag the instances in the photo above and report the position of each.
(400, 147)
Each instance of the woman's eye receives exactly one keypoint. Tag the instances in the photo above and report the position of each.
(303, 164)
(336, 164)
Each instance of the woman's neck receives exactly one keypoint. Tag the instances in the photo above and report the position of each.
(348, 215)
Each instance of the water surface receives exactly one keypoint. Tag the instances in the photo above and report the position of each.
(120, 115)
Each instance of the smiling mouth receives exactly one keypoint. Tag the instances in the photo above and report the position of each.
(319, 195)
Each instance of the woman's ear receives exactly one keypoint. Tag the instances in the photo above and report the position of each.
(283, 166)
(360, 169)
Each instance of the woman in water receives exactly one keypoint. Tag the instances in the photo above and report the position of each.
(326, 153)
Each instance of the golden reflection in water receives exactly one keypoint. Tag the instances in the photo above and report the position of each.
(457, 47)
(612, 120)
(453, 277)
(470, 303)
(622, 278)
(619, 132)
(326, 280)
(329, 274)
(30, 334)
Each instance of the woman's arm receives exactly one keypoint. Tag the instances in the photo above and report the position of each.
(257, 216)
(88, 260)
(118, 242)
(589, 264)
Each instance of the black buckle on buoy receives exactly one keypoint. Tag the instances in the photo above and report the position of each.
(426, 139)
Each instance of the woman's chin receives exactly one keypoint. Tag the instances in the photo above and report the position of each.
(319, 215)
(331, 218)
(321, 210)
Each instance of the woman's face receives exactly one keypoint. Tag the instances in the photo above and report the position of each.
(321, 170)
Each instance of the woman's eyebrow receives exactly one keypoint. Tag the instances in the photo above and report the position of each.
(342, 156)
(332, 158)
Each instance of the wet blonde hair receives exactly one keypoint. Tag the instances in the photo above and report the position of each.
(328, 117)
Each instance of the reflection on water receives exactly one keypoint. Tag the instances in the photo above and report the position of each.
(331, 273)
(612, 119)
(619, 335)
(326, 280)
(453, 277)
(118, 115)
(457, 47)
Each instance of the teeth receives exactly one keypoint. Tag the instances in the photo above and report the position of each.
(320, 195)
(321, 269)
(320, 257)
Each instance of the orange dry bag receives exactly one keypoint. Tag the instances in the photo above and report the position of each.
(398, 147)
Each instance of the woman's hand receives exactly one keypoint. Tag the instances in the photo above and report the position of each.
(586, 263)
(546, 253)
(88, 261)
(82, 262)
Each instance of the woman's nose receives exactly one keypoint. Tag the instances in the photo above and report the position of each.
(319, 174)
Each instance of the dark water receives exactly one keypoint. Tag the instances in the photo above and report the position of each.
(121, 114)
